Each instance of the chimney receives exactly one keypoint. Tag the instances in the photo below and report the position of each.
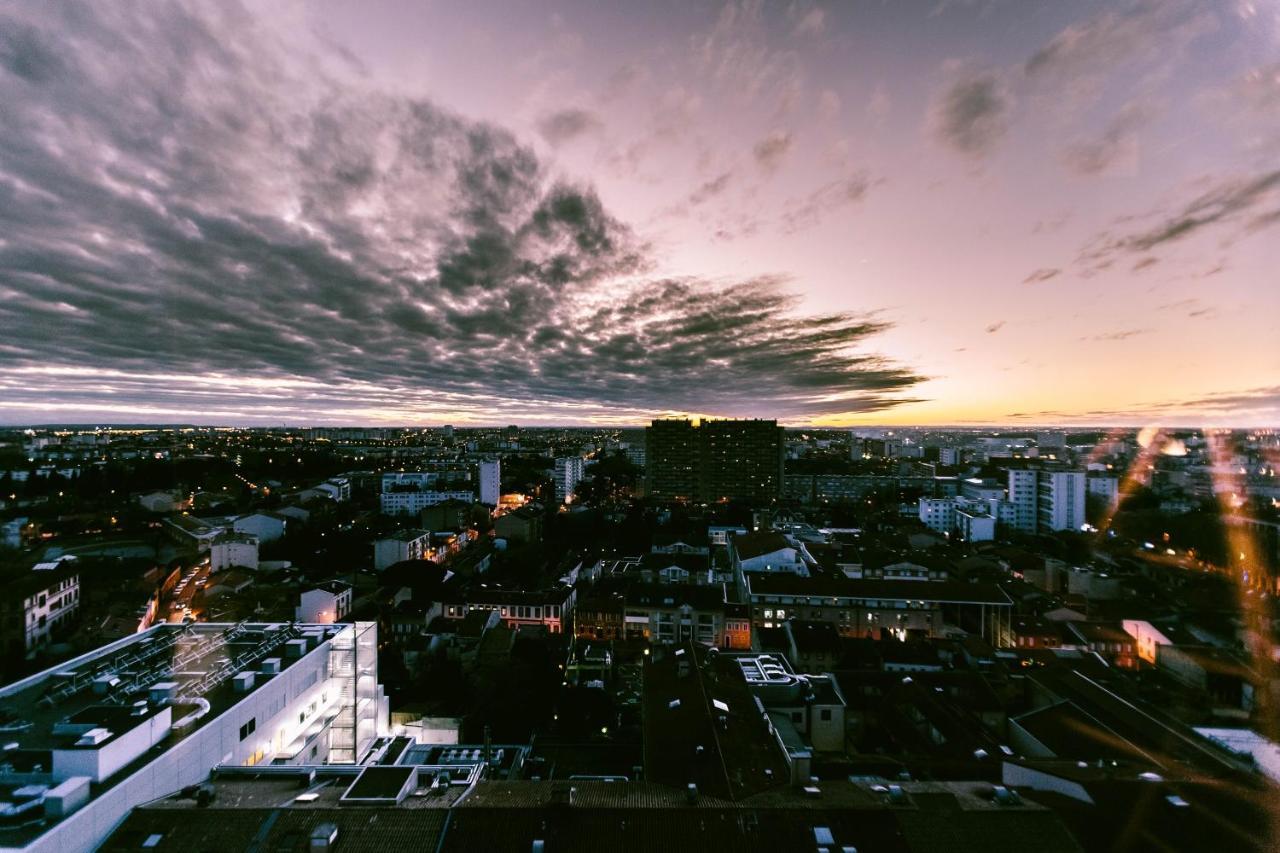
(691, 793)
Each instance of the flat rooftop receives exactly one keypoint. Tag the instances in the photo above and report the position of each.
(110, 690)
(280, 811)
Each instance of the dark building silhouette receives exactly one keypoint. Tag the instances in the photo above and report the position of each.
(714, 461)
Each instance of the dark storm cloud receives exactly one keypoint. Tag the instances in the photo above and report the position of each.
(191, 224)
(566, 125)
(971, 115)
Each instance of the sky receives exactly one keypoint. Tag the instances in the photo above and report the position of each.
(855, 213)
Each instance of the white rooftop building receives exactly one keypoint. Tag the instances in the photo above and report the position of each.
(150, 714)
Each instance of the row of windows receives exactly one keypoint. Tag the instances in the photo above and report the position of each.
(883, 604)
(519, 611)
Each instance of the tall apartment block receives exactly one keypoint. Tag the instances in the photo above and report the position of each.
(671, 460)
(1045, 501)
(714, 461)
(568, 474)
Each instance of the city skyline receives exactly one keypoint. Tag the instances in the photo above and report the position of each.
(943, 214)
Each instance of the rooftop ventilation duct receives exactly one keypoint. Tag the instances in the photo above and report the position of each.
(1005, 796)
(162, 692)
(104, 684)
(93, 737)
(324, 836)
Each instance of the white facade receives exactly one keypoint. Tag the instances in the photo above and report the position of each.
(231, 549)
(324, 605)
(405, 545)
(490, 477)
(412, 503)
(1023, 500)
(1061, 500)
(267, 527)
(314, 700)
(568, 474)
(979, 490)
(336, 489)
(45, 611)
(1046, 501)
(1106, 487)
(785, 559)
(938, 514)
(974, 524)
(160, 501)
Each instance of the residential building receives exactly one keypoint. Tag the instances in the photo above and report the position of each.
(767, 552)
(489, 473)
(37, 605)
(567, 475)
(938, 514)
(552, 608)
(233, 549)
(412, 544)
(191, 532)
(740, 460)
(165, 501)
(336, 489)
(716, 460)
(267, 526)
(671, 460)
(974, 522)
(1024, 499)
(1106, 487)
(1061, 500)
(1046, 501)
(813, 704)
(879, 608)
(523, 524)
(324, 604)
(414, 502)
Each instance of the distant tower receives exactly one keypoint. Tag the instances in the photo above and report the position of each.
(567, 476)
(490, 476)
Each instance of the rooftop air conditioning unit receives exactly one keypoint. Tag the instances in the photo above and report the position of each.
(162, 692)
(93, 737)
